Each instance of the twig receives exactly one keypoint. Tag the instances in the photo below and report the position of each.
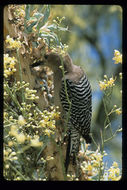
(94, 140)
(20, 73)
(24, 178)
(12, 96)
(118, 130)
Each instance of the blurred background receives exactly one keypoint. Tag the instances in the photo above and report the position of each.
(95, 31)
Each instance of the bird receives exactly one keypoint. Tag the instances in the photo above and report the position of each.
(73, 94)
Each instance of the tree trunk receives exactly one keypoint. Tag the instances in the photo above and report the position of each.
(54, 168)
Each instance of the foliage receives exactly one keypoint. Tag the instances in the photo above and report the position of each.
(26, 133)
(94, 165)
(27, 129)
(39, 23)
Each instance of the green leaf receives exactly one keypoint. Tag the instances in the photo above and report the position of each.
(46, 14)
(33, 18)
(31, 8)
(40, 23)
(40, 8)
(29, 28)
(53, 27)
(62, 29)
(45, 139)
(38, 15)
(27, 12)
(95, 178)
(50, 35)
(27, 17)
(56, 38)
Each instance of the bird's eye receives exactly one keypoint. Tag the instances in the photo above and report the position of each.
(46, 56)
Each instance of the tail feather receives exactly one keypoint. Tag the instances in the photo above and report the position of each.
(87, 138)
(72, 147)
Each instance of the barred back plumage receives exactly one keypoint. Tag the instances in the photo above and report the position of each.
(79, 93)
(80, 96)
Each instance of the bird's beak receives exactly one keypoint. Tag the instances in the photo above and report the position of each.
(38, 63)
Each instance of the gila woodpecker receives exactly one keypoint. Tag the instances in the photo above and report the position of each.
(79, 106)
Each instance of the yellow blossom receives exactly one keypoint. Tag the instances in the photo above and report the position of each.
(110, 82)
(10, 143)
(44, 28)
(48, 132)
(21, 120)
(118, 111)
(20, 12)
(89, 167)
(115, 164)
(42, 124)
(57, 115)
(96, 164)
(13, 131)
(106, 83)
(46, 119)
(49, 158)
(9, 65)
(114, 174)
(35, 142)
(97, 157)
(117, 57)
(20, 138)
(5, 114)
(120, 74)
(102, 85)
(51, 123)
(12, 43)
(7, 166)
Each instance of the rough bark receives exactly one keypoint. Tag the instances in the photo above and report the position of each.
(54, 169)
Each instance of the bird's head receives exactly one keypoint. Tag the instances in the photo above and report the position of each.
(54, 61)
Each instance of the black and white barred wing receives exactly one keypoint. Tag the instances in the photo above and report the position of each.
(80, 95)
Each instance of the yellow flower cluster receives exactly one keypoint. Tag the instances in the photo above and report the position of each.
(9, 65)
(20, 137)
(12, 44)
(20, 11)
(71, 177)
(30, 94)
(120, 74)
(58, 20)
(21, 120)
(9, 155)
(117, 57)
(107, 83)
(48, 158)
(93, 164)
(91, 167)
(46, 126)
(61, 50)
(114, 172)
(35, 141)
(49, 120)
(118, 111)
